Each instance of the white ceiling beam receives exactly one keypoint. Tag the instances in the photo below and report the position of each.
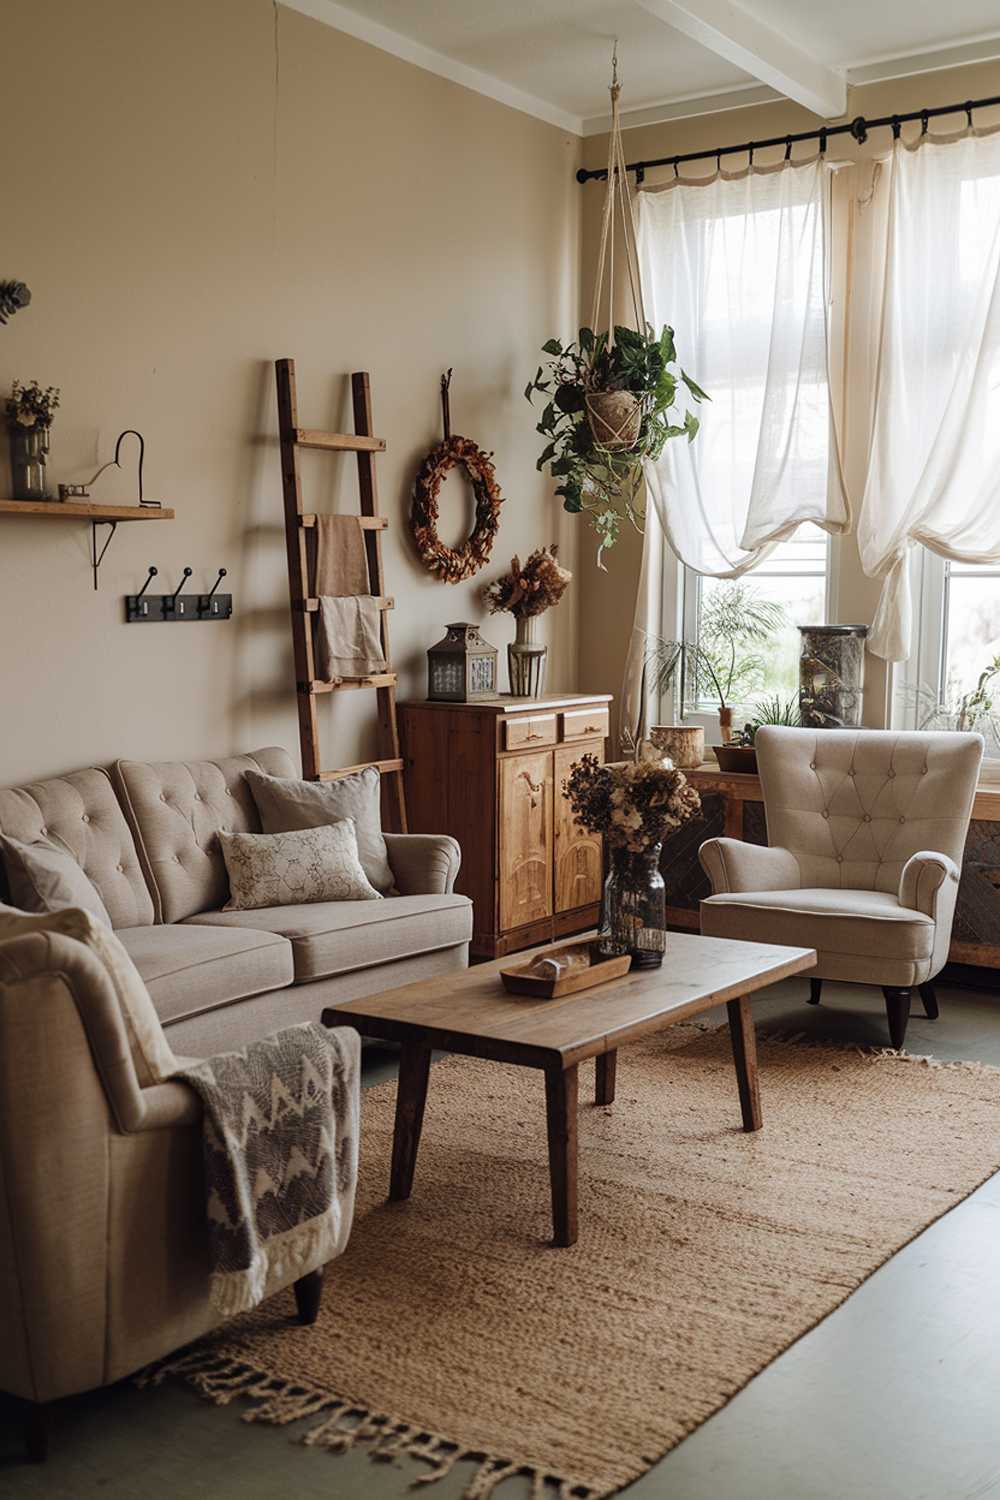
(733, 33)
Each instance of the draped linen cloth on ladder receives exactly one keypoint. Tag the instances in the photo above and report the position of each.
(737, 265)
(934, 465)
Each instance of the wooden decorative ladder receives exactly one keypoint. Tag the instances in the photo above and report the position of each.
(298, 524)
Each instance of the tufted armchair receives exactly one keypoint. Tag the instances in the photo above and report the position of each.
(866, 832)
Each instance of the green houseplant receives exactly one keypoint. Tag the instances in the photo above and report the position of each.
(610, 404)
(728, 662)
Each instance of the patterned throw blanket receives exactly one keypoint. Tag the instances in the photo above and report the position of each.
(281, 1158)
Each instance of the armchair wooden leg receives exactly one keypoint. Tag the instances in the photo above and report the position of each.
(308, 1295)
(36, 1432)
(815, 987)
(897, 1008)
(929, 998)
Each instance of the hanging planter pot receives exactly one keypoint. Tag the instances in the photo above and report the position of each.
(610, 397)
(615, 419)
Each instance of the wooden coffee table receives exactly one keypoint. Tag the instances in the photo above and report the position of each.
(470, 1013)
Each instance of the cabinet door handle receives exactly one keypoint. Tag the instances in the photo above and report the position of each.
(533, 786)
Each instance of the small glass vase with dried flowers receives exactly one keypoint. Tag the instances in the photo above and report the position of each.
(527, 593)
(30, 410)
(635, 805)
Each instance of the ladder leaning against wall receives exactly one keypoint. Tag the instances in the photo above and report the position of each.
(301, 565)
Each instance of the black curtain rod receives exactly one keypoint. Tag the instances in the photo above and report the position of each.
(858, 128)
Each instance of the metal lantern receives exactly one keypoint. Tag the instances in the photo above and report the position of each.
(462, 668)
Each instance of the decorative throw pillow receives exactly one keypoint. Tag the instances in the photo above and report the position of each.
(288, 869)
(284, 804)
(46, 877)
(151, 1053)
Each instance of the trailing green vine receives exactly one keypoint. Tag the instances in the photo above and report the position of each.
(596, 474)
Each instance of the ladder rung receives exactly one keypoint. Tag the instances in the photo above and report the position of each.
(310, 606)
(376, 680)
(385, 766)
(339, 442)
(367, 523)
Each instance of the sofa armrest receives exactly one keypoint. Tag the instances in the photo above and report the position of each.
(423, 864)
(732, 865)
(43, 965)
(929, 884)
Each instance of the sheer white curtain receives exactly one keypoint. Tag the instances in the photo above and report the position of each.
(934, 468)
(737, 266)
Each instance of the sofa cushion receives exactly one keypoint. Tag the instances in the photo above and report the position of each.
(334, 937)
(865, 924)
(285, 804)
(176, 809)
(188, 970)
(47, 877)
(81, 813)
(283, 869)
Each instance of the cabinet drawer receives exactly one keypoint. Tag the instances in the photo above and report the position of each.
(528, 730)
(584, 723)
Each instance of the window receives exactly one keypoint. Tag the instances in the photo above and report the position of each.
(796, 577)
(958, 640)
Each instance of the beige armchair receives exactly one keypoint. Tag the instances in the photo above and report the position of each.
(866, 833)
(103, 1242)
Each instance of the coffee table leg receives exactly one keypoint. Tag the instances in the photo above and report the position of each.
(414, 1067)
(561, 1098)
(741, 1034)
(607, 1068)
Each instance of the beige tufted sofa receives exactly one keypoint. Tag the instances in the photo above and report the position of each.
(866, 832)
(146, 837)
(102, 1236)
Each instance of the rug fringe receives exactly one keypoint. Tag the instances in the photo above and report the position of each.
(346, 1425)
(870, 1053)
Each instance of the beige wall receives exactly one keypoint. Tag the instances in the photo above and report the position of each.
(191, 190)
(606, 600)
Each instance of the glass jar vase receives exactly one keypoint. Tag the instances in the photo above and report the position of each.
(29, 448)
(526, 659)
(634, 908)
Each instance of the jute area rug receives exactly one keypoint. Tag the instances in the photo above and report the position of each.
(450, 1329)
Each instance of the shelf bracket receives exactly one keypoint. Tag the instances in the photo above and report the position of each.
(96, 558)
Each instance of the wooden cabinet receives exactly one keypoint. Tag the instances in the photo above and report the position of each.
(491, 775)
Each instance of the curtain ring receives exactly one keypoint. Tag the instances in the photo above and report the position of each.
(677, 175)
(788, 148)
(822, 142)
(718, 161)
(924, 119)
(968, 113)
(895, 127)
(640, 175)
(750, 156)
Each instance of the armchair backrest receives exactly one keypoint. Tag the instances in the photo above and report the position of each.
(853, 805)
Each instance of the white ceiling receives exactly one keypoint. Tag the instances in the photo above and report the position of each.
(551, 58)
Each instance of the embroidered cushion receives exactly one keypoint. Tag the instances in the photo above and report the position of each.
(284, 803)
(151, 1053)
(288, 869)
(44, 876)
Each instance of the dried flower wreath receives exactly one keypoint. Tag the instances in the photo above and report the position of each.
(452, 564)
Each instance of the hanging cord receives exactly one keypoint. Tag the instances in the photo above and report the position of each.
(617, 200)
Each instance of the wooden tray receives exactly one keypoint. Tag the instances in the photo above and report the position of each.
(519, 981)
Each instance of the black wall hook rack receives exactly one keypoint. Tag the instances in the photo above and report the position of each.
(163, 609)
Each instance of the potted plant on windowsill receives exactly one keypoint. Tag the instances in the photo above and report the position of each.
(610, 405)
(727, 663)
(740, 754)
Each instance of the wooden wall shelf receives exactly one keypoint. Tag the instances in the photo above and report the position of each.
(82, 510)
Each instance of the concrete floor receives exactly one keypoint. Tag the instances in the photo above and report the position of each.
(896, 1396)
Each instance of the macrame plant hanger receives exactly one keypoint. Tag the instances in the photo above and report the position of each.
(617, 205)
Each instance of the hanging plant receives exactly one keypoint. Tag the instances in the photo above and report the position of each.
(610, 406)
(610, 398)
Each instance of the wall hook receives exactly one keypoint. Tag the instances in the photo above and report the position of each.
(208, 604)
(173, 602)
